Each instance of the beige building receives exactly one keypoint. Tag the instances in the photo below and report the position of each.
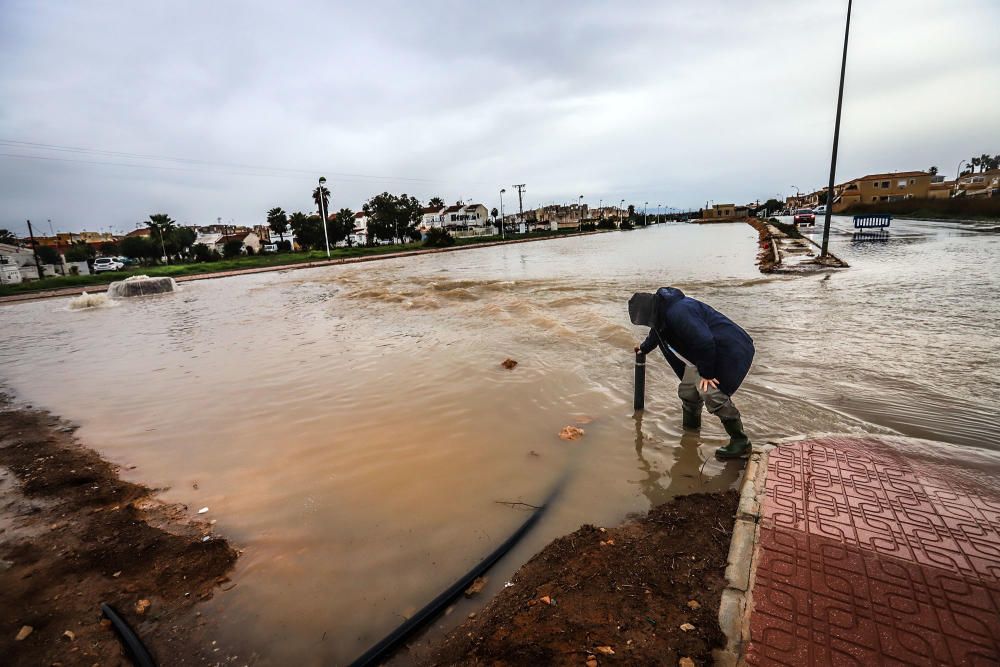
(725, 212)
(875, 188)
(557, 217)
(941, 190)
(983, 184)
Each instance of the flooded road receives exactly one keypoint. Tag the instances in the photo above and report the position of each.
(351, 429)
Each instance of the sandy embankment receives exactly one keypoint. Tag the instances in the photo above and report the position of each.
(73, 535)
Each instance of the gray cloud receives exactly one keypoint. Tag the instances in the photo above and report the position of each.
(672, 103)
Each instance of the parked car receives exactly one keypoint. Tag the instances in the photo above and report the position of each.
(804, 216)
(820, 210)
(102, 264)
(269, 247)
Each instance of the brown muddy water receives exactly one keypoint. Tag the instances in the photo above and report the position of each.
(351, 429)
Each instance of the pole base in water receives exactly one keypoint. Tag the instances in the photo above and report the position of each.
(639, 400)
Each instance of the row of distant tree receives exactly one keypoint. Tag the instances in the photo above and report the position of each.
(391, 218)
(984, 162)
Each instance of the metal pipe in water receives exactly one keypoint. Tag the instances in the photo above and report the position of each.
(639, 401)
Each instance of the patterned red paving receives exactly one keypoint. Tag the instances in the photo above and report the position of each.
(872, 557)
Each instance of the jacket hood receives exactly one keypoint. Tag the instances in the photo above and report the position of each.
(669, 295)
(641, 308)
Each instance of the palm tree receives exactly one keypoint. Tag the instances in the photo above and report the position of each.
(494, 213)
(973, 163)
(933, 171)
(996, 162)
(985, 162)
(161, 224)
(277, 220)
(436, 202)
(326, 199)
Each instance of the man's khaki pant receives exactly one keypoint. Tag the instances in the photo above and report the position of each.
(717, 403)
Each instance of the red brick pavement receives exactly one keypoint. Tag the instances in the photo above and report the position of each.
(871, 554)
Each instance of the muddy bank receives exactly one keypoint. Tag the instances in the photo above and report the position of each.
(611, 596)
(781, 252)
(73, 535)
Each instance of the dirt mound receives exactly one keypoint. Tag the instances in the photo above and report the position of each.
(611, 596)
(73, 535)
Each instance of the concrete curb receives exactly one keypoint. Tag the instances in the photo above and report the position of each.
(737, 600)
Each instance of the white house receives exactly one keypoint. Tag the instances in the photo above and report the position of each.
(465, 216)
(208, 238)
(360, 234)
(431, 217)
(250, 241)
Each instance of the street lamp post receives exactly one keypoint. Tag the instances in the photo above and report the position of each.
(579, 225)
(621, 213)
(836, 138)
(503, 235)
(958, 172)
(322, 215)
(645, 218)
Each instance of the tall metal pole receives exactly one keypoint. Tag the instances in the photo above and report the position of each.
(836, 140)
(34, 250)
(503, 235)
(579, 225)
(322, 215)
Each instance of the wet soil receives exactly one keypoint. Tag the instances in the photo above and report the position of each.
(611, 596)
(73, 535)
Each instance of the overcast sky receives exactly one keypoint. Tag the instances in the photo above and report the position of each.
(672, 103)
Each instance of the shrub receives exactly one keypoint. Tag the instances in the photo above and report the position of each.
(607, 223)
(232, 249)
(438, 238)
(202, 253)
(284, 246)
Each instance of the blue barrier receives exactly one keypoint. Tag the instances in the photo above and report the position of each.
(872, 220)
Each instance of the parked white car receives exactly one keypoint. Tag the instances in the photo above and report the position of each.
(102, 264)
(269, 247)
(820, 210)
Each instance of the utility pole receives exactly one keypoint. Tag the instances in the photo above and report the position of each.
(322, 216)
(836, 139)
(520, 202)
(645, 218)
(503, 234)
(34, 250)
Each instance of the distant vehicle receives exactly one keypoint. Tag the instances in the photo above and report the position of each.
(804, 216)
(820, 210)
(102, 264)
(125, 261)
(269, 247)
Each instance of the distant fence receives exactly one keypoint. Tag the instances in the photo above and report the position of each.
(473, 232)
(872, 220)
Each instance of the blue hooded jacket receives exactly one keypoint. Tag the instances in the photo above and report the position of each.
(716, 345)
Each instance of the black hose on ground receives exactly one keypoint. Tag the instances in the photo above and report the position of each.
(134, 647)
(382, 650)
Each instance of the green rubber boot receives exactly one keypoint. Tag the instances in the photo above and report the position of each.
(739, 444)
(692, 417)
